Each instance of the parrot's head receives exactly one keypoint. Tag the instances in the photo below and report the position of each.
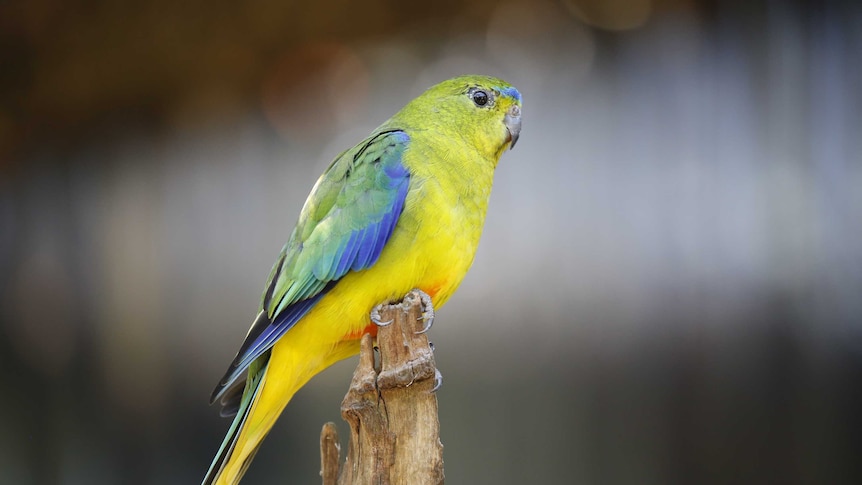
(482, 110)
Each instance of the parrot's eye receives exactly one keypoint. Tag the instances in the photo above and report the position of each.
(480, 98)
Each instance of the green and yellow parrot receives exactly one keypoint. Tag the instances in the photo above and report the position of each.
(401, 210)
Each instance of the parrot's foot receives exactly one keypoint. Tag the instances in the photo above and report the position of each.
(427, 310)
(438, 380)
(375, 317)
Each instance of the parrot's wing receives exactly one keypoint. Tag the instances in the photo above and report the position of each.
(344, 225)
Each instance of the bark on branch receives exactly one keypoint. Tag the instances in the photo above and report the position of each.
(391, 409)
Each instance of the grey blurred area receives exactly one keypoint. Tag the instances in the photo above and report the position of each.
(668, 289)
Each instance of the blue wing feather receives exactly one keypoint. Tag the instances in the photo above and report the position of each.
(279, 325)
(349, 253)
(365, 249)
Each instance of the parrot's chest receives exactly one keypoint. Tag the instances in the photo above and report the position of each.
(443, 231)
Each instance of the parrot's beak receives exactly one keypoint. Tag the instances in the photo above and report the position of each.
(512, 120)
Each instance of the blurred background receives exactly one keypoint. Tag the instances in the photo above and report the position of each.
(668, 290)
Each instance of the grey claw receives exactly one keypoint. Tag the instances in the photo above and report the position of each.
(438, 380)
(375, 317)
(427, 324)
(428, 314)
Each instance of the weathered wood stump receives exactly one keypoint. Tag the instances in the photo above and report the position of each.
(391, 409)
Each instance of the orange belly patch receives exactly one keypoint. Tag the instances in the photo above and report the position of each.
(371, 328)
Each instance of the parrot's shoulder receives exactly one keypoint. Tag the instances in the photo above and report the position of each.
(372, 162)
(384, 147)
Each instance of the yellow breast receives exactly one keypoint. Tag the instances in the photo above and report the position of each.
(431, 248)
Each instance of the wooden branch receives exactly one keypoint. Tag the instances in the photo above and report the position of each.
(391, 409)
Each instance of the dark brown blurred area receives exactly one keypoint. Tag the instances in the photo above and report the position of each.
(71, 69)
(667, 290)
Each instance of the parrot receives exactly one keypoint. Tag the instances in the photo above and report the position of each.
(401, 210)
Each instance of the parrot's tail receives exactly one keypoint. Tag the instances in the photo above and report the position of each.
(272, 381)
(231, 461)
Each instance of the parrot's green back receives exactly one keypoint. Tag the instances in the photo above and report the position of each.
(402, 209)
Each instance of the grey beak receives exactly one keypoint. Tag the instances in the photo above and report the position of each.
(512, 120)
